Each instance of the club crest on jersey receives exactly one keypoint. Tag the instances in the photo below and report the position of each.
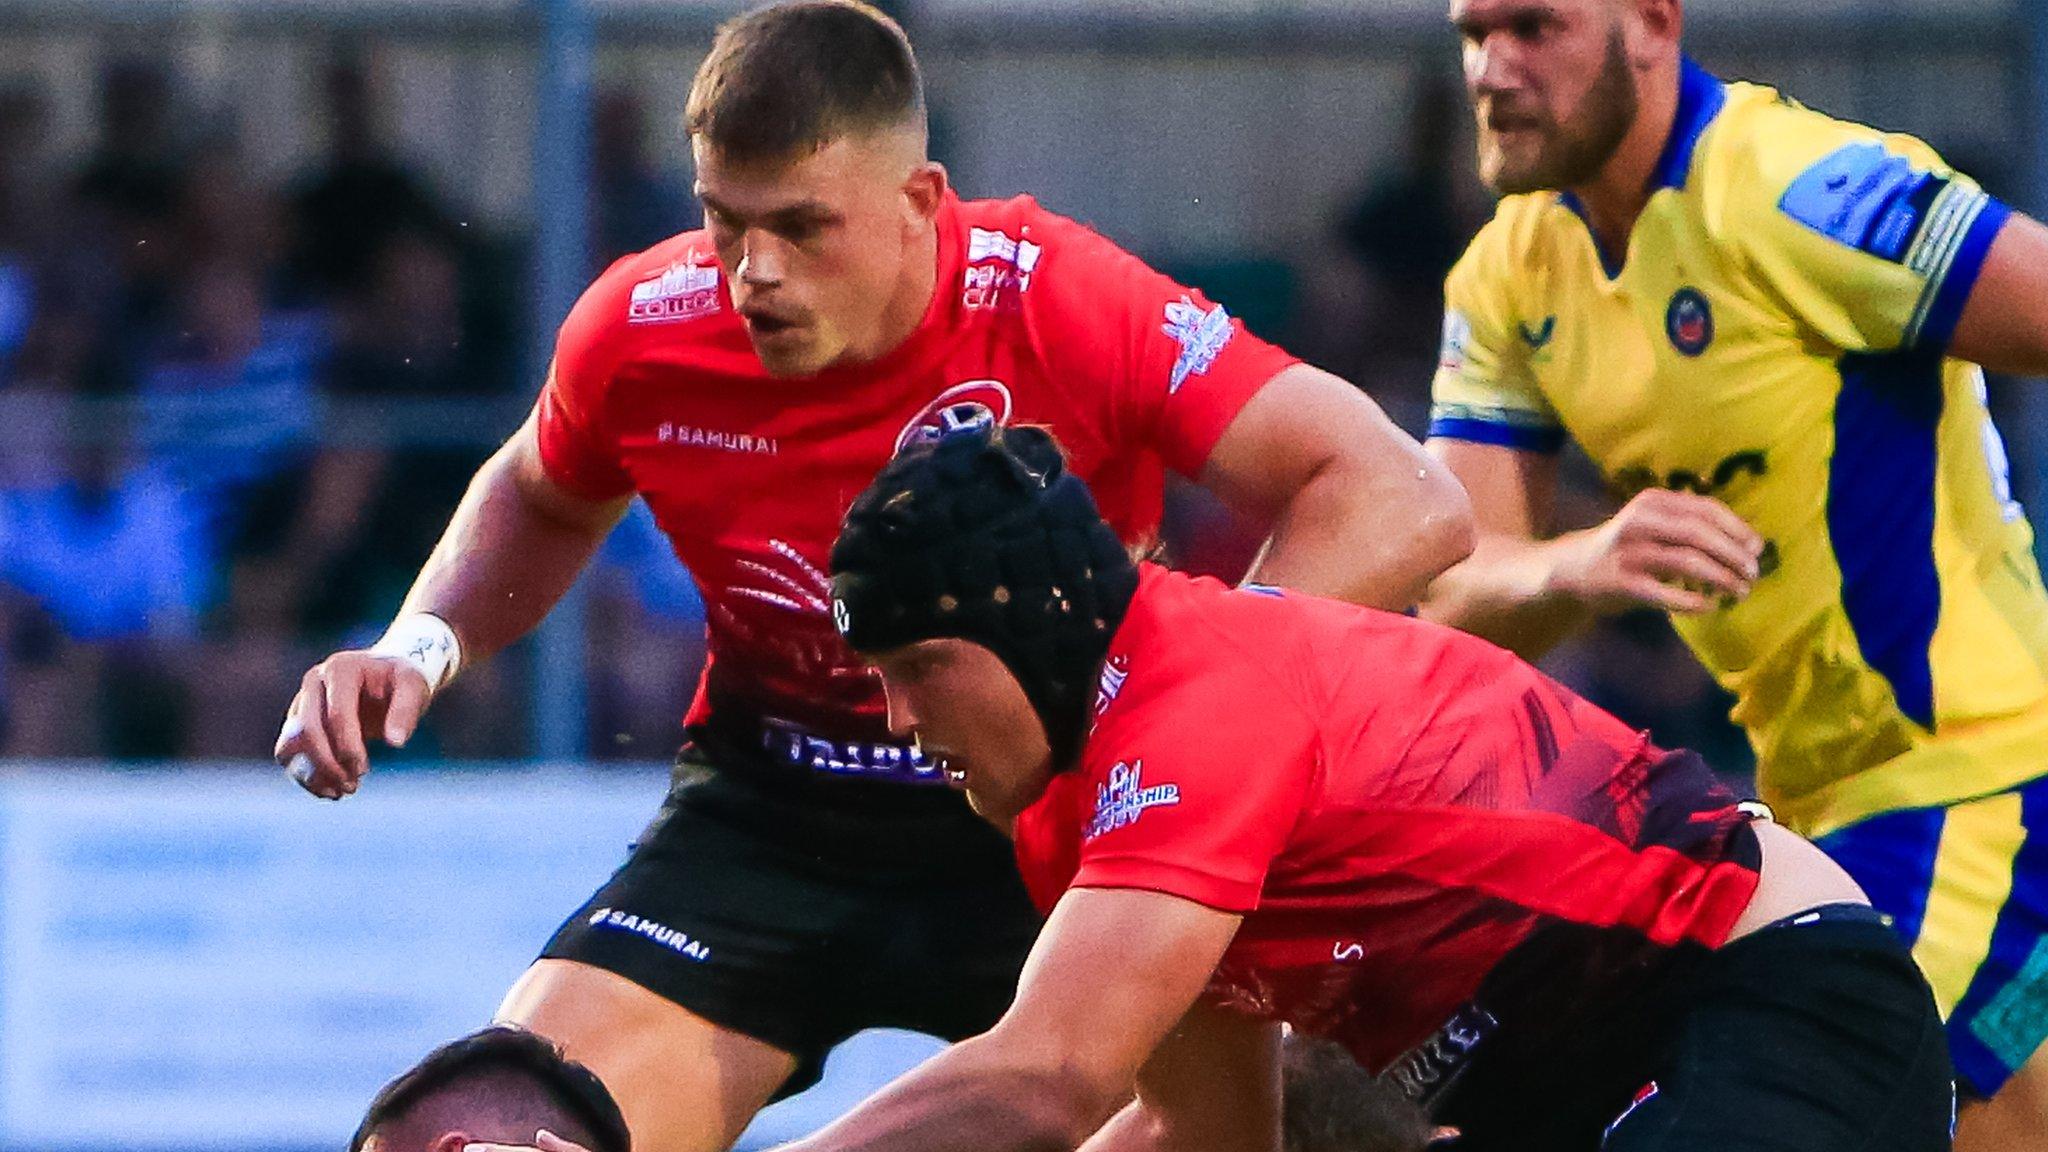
(1201, 334)
(1123, 798)
(999, 268)
(684, 291)
(1689, 321)
(973, 404)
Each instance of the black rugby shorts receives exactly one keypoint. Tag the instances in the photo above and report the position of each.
(799, 908)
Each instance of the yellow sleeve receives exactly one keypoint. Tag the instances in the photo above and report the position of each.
(1868, 240)
(1484, 390)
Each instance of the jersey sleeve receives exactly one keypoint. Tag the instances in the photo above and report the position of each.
(1176, 367)
(1484, 391)
(1197, 806)
(1870, 242)
(575, 451)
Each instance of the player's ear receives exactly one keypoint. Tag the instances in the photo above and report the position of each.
(450, 1142)
(1659, 24)
(923, 191)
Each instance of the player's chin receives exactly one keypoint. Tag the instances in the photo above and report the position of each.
(1512, 167)
(790, 351)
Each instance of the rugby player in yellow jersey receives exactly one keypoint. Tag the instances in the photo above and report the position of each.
(1764, 326)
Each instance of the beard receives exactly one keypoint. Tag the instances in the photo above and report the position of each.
(1572, 152)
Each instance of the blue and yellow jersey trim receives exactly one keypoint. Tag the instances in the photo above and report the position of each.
(1966, 885)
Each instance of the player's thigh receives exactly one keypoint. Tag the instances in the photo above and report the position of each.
(947, 954)
(1810, 1038)
(684, 1083)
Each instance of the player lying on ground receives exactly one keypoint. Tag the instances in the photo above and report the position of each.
(1764, 325)
(499, 1085)
(1242, 807)
(747, 381)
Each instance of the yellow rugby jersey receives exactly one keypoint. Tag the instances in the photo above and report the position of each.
(1775, 337)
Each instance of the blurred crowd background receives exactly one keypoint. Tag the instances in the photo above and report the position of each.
(267, 298)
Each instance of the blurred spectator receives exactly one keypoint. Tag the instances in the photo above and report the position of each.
(637, 205)
(229, 410)
(23, 221)
(647, 633)
(403, 336)
(1377, 321)
(110, 552)
(124, 259)
(362, 197)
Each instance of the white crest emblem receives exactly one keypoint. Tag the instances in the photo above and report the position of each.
(1201, 334)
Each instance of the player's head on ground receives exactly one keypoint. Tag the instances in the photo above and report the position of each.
(807, 123)
(1330, 1104)
(978, 576)
(497, 1085)
(1556, 84)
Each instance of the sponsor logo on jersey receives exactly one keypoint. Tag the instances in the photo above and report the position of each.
(1874, 200)
(1123, 798)
(999, 268)
(1735, 466)
(686, 291)
(674, 939)
(973, 404)
(1201, 335)
(1457, 336)
(1689, 321)
(687, 436)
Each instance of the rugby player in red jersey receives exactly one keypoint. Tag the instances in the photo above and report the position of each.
(1241, 807)
(747, 381)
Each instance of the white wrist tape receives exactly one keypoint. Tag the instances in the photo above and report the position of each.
(426, 642)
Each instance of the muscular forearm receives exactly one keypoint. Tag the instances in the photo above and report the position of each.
(507, 556)
(970, 1096)
(1370, 540)
(1505, 593)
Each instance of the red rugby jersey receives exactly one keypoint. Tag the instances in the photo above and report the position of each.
(1393, 805)
(656, 391)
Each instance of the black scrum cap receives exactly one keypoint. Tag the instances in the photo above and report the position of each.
(983, 535)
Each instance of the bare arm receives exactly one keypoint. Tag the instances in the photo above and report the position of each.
(1526, 590)
(1112, 974)
(1358, 511)
(514, 546)
(2004, 325)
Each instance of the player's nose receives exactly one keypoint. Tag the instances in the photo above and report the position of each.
(760, 264)
(1489, 67)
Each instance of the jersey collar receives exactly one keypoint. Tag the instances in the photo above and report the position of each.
(1700, 98)
(1701, 95)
